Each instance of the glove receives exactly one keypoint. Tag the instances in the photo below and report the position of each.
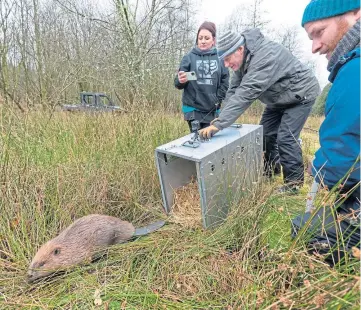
(208, 132)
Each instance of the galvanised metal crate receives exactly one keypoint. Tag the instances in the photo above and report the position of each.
(226, 168)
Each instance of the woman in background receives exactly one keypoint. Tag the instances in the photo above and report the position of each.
(202, 97)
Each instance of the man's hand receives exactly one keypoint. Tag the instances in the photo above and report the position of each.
(182, 77)
(208, 132)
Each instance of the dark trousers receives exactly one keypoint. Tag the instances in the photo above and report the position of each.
(332, 234)
(201, 125)
(281, 130)
(204, 118)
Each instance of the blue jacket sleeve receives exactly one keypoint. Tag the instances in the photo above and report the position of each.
(340, 131)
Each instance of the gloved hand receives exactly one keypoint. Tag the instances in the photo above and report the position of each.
(208, 132)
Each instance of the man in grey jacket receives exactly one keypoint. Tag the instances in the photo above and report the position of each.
(267, 71)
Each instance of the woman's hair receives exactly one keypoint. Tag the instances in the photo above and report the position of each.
(211, 27)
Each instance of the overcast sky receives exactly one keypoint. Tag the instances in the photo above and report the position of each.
(279, 12)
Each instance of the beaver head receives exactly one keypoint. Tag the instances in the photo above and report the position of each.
(53, 256)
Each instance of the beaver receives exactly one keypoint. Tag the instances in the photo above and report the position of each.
(80, 242)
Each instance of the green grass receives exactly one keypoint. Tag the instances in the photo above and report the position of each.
(55, 168)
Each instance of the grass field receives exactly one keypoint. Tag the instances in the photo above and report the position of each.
(58, 167)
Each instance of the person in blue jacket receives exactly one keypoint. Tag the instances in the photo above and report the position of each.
(202, 97)
(334, 28)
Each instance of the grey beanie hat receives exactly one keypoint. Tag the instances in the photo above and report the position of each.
(228, 42)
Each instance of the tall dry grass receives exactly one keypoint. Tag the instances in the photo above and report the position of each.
(55, 168)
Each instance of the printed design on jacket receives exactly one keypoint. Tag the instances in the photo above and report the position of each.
(205, 70)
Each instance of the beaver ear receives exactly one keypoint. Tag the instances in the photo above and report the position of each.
(56, 251)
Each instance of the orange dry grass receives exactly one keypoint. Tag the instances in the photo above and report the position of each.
(186, 210)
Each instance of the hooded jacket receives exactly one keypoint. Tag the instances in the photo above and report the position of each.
(207, 92)
(269, 73)
(340, 131)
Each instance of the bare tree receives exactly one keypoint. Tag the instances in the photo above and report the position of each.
(288, 37)
(6, 11)
(52, 49)
(246, 16)
(152, 30)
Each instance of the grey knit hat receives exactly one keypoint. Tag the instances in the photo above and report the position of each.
(228, 42)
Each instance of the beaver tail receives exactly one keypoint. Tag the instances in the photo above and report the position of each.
(142, 231)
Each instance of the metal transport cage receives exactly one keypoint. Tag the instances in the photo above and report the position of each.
(226, 168)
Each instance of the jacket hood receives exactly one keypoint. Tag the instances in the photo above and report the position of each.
(253, 38)
(342, 61)
(197, 51)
